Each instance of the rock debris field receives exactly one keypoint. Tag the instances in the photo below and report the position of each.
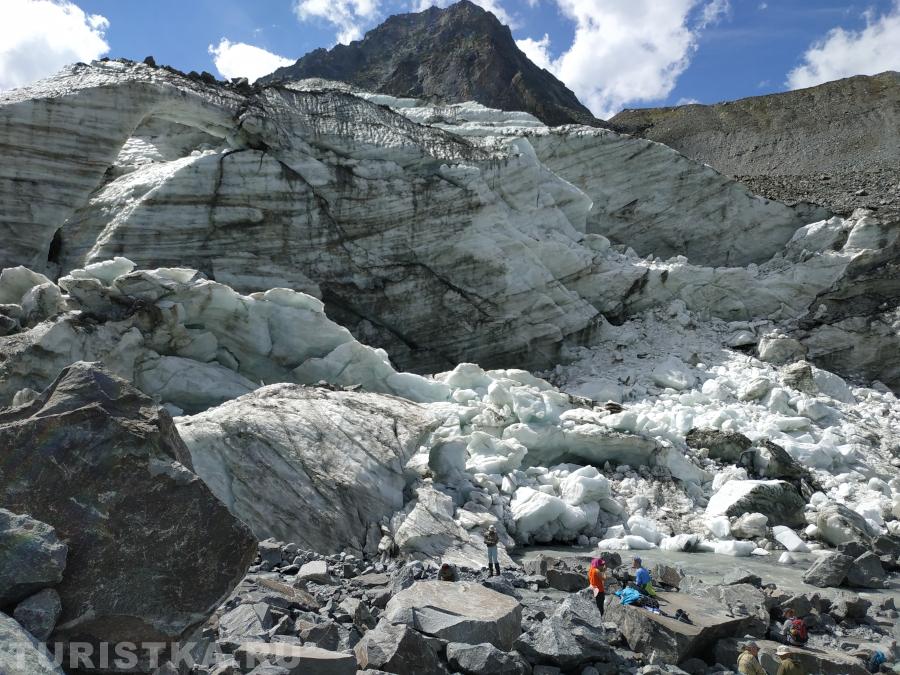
(270, 355)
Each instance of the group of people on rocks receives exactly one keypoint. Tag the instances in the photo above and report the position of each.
(792, 631)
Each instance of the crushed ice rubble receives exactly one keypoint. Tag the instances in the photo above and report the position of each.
(550, 469)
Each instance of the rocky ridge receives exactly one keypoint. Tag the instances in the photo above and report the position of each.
(834, 144)
(461, 53)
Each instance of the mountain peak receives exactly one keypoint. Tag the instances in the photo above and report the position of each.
(459, 53)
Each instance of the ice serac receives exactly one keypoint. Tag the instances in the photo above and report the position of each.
(433, 247)
(104, 466)
(308, 465)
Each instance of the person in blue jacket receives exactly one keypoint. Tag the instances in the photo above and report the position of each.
(642, 577)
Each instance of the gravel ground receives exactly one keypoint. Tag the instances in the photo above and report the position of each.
(841, 192)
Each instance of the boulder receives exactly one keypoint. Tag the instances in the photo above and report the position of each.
(672, 640)
(31, 556)
(484, 658)
(572, 636)
(849, 606)
(459, 612)
(38, 613)
(779, 350)
(838, 524)
(667, 575)
(867, 572)
(749, 526)
(296, 660)
(829, 570)
(20, 653)
(739, 599)
(810, 659)
(151, 550)
(778, 500)
(726, 446)
(308, 465)
(247, 622)
(566, 580)
(397, 648)
(315, 571)
(739, 575)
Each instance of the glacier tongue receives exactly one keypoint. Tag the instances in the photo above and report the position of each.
(227, 251)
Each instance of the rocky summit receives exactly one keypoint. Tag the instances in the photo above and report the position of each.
(283, 364)
(461, 53)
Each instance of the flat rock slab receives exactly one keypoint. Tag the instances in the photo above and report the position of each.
(811, 660)
(458, 612)
(296, 660)
(673, 640)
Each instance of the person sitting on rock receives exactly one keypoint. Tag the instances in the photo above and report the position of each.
(597, 579)
(748, 661)
(491, 539)
(642, 577)
(793, 630)
(788, 666)
(447, 573)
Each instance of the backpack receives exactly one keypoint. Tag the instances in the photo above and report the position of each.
(875, 662)
(798, 630)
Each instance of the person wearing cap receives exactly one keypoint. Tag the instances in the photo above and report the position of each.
(491, 539)
(748, 663)
(597, 581)
(642, 577)
(788, 666)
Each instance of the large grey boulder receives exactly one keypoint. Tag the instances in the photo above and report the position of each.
(31, 556)
(397, 648)
(308, 465)
(296, 660)
(672, 640)
(837, 524)
(829, 570)
(570, 637)
(459, 612)
(778, 500)
(484, 658)
(20, 653)
(38, 613)
(866, 572)
(726, 446)
(151, 551)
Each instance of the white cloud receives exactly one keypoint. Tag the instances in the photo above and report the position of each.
(238, 59)
(842, 53)
(348, 16)
(538, 51)
(492, 6)
(686, 101)
(38, 37)
(626, 51)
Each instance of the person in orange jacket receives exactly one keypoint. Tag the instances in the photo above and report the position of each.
(597, 579)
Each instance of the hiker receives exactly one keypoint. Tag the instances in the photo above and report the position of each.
(788, 666)
(597, 579)
(748, 663)
(642, 578)
(447, 573)
(491, 539)
(793, 630)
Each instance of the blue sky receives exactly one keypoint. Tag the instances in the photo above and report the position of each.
(613, 53)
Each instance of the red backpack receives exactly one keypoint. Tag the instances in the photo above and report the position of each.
(798, 630)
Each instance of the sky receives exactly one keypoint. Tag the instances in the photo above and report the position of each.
(613, 54)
